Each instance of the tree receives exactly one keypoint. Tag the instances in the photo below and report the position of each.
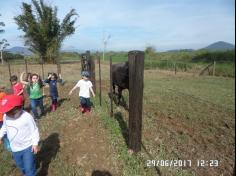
(43, 31)
(3, 45)
(150, 50)
(2, 24)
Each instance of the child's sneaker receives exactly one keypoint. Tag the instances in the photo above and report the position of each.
(88, 109)
(83, 110)
(53, 108)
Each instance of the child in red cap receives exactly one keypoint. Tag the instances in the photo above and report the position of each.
(22, 133)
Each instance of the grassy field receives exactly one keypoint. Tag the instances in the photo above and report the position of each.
(185, 117)
(184, 61)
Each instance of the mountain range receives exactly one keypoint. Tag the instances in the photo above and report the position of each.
(220, 46)
(217, 46)
(20, 50)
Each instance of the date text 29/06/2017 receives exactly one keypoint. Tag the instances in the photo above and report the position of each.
(182, 163)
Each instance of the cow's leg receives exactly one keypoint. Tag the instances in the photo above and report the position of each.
(114, 88)
(113, 94)
(119, 94)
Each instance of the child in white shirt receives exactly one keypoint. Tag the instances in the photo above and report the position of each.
(85, 86)
(22, 133)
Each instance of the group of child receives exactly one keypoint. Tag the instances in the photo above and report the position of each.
(18, 126)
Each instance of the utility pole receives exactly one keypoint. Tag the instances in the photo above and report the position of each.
(105, 40)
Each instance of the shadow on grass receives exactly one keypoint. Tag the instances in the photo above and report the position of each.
(125, 133)
(123, 126)
(100, 173)
(49, 148)
(61, 101)
(92, 104)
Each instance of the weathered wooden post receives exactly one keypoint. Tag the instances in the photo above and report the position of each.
(58, 68)
(93, 75)
(87, 64)
(214, 68)
(82, 61)
(100, 84)
(175, 69)
(209, 73)
(42, 68)
(9, 69)
(26, 67)
(111, 92)
(136, 69)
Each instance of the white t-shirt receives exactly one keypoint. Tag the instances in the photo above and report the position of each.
(21, 132)
(84, 88)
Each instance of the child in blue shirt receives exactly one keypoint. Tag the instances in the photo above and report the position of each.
(52, 80)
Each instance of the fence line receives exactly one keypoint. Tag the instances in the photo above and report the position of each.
(111, 91)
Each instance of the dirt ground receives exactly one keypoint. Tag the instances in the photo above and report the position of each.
(75, 139)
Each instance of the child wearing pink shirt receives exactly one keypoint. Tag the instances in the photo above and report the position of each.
(17, 87)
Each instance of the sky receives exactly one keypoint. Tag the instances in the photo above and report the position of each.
(135, 24)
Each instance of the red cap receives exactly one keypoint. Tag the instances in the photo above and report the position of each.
(9, 102)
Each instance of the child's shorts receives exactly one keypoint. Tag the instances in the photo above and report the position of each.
(85, 102)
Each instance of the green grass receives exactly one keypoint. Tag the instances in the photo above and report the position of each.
(7, 165)
(167, 65)
(181, 61)
(132, 165)
(225, 69)
(217, 91)
(177, 106)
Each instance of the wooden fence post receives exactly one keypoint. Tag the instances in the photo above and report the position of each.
(93, 74)
(136, 69)
(87, 64)
(9, 70)
(206, 68)
(26, 67)
(111, 92)
(58, 67)
(214, 68)
(42, 68)
(100, 84)
(175, 69)
(185, 67)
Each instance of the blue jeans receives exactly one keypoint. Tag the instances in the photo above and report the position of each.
(85, 102)
(54, 100)
(25, 160)
(34, 103)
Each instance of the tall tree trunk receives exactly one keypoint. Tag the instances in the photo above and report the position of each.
(1, 57)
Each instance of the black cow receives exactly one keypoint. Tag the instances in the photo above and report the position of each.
(120, 78)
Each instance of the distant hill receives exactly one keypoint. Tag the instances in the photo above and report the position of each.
(220, 46)
(20, 50)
